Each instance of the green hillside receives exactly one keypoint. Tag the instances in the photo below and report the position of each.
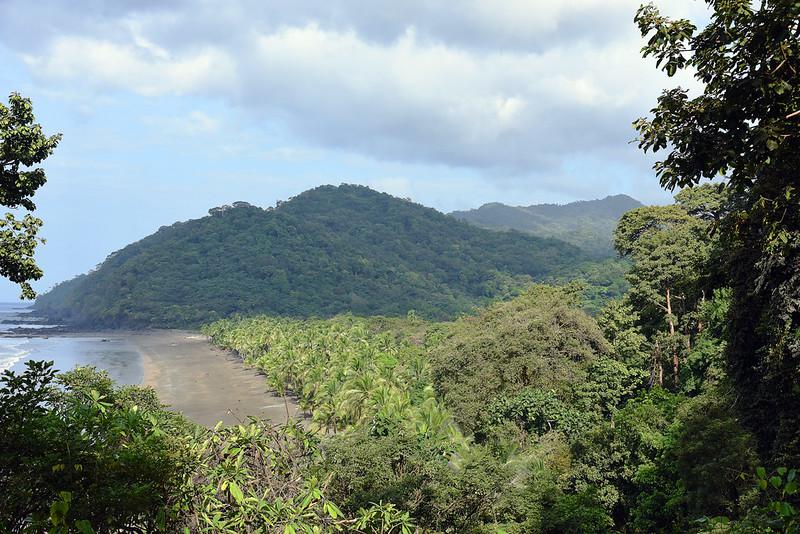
(587, 224)
(327, 251)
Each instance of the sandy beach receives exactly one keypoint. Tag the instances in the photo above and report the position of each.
(204, 383)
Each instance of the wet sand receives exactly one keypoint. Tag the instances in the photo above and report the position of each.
(206, 384)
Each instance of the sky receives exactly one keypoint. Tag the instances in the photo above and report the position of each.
(171, 107)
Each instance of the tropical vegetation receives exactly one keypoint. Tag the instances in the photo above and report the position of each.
(673, 409)
(23, 145)
(327, 251)
(78, 454)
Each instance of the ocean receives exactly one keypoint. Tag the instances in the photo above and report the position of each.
(113, 352)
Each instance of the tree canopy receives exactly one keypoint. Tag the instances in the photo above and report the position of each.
(745, 126)
(22, 146)
(670, 247)
(538, 340)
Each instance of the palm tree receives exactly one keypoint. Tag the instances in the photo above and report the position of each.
(356, 394)
(325, 415)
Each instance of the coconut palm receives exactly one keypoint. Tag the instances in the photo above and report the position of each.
(341, 372)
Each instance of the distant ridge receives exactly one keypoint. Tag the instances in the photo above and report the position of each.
(326, 251)
(588, 224)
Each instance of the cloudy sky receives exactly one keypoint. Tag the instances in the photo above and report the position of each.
(170, 107)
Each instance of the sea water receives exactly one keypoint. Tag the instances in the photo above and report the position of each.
(112, 352)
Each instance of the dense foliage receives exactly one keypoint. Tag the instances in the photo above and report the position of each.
(374, 387)
(553, 421)
(602, 280)
(22, 146)
(529, 417)
(539, 340)
(344, 372)
(744, 125)
(587, 224)
(327, 251)
(90, 453)
(88, 457)
(671, 248)
(673, 410)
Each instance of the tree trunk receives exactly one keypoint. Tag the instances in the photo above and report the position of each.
(657, 371)
(669, 314)
(675, 358)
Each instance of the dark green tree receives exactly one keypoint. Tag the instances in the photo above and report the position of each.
(744, 125)
(670, 249)
(84, 452)
(620, 325)
(539, 340)
(22, 146)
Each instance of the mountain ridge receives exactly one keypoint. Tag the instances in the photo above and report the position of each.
(619, 196)
(326, 251)
(587, 224)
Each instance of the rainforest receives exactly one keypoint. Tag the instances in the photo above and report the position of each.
(529, 415)
(326, 251)
(603, 366)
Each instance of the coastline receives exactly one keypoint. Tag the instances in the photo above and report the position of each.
(189, 374)
(203, 382)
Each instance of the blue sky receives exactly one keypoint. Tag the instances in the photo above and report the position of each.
(170, 108)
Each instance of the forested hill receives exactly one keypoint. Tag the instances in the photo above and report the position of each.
(587, 224)
(326, 251)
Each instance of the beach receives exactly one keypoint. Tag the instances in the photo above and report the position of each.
(203, 382)
(189, 374)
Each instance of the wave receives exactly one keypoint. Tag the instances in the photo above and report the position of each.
(8, 360)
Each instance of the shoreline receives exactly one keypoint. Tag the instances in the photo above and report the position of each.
(189, 374)
(203, 382)
(70, 332)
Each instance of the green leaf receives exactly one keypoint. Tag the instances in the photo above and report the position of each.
(776, 482)
(761, 472)
(332, 510)
(84, 527)
(236, 492)
(786, 509)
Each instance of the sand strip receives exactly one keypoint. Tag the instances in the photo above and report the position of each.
(206, 384)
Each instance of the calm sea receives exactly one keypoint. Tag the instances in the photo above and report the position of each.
(112, 352)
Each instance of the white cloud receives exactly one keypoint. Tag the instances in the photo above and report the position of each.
(193, 123)
(105, 64)
(516, 87)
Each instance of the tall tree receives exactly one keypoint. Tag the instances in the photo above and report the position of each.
(670, 249)
(745, 125)
(22, 146)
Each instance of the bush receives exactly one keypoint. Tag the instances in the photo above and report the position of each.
(412, 473)
(83, 455)
(538, 340)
